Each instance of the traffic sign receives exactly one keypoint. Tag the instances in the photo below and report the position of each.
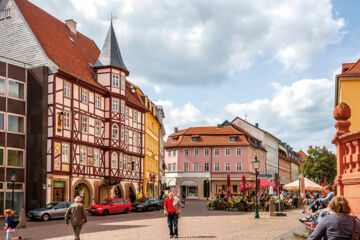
(175, 191)
(264, 175)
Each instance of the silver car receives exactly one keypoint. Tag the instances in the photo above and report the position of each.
(50, 211)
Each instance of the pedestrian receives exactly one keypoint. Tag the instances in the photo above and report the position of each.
(10, 223)
(78, 215)
(339, 225)
(171, 210)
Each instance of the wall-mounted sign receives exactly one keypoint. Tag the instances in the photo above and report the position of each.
(59, 184)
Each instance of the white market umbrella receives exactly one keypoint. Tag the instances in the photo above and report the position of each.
(309, 185)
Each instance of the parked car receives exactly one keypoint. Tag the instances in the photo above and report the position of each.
(110, 206)
(50, 211)
(147, 205)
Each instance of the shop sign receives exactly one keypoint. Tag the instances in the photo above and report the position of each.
(59, 184)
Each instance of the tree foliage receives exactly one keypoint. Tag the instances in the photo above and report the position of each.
(319, 163)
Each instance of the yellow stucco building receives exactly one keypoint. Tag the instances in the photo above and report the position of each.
(151, 160)
(347, 89)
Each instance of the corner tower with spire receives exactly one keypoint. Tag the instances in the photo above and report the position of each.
(110, 67)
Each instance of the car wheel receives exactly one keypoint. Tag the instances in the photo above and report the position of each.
(45, 217)
(106, 212)
(126, 211)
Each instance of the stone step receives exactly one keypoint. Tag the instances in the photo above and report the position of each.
(299, 233)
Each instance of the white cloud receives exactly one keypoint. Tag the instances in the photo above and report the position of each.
(185, 116)
(200, 42)
(300, 114)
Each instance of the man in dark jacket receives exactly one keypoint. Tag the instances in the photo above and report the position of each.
(78, 215)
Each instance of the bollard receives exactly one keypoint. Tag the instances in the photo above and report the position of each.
(22, 219)
(272, 207)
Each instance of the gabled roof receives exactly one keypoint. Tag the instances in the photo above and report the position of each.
(133, 96)
(226, 130)
(350, 69)
(207, 136)
(110, 54)
(72, 53)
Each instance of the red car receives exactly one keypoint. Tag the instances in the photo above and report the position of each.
(111, 205)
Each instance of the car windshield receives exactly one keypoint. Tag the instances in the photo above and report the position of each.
(50, 205)
(105, 202)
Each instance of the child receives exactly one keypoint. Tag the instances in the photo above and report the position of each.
(9, 223)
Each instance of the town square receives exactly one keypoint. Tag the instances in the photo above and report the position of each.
(133, 119)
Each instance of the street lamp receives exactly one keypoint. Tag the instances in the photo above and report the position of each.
(256, 165)
(13, 180)
(299, 183)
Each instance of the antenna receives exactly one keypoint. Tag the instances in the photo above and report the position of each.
(245, 116)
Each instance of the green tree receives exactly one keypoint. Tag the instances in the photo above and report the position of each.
(319, 163)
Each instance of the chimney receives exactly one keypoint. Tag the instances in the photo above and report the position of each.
(257, 125)
(218, 126)
(71, 25)
(176, 129)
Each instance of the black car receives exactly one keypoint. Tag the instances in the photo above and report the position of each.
(146, 205)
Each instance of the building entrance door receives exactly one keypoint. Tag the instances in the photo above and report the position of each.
(59, 195)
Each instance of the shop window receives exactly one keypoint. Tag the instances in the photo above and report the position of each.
(18, 201)
(15, 158)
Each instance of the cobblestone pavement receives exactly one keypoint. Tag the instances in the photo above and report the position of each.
(195, 223)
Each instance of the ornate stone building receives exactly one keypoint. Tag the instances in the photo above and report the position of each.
(86, 122)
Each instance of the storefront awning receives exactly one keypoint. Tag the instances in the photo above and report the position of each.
(189, 184)
(171, 183)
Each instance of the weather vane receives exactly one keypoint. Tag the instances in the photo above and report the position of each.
(113, 17)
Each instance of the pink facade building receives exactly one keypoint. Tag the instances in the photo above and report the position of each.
(198, 154)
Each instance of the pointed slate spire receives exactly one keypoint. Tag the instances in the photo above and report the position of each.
(110, 54)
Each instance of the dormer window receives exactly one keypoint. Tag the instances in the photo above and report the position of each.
(232, 139)
(4, 14)
(115, 80)
(194, 139)
(174, 139)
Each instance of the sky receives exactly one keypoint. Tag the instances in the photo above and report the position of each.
(205, 62)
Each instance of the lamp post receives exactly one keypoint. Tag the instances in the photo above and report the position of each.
(256, 165)
(299, 183)
(13, 180)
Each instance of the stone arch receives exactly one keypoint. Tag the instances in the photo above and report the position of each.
(119, 191)
(90, 195)
(104, 191)
(131, 192)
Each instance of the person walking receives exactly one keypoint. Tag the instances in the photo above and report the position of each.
(78, 215)
(339, 225)
(171, 210)
(10, 223)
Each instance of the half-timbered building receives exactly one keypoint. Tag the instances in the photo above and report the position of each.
(90, 135)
